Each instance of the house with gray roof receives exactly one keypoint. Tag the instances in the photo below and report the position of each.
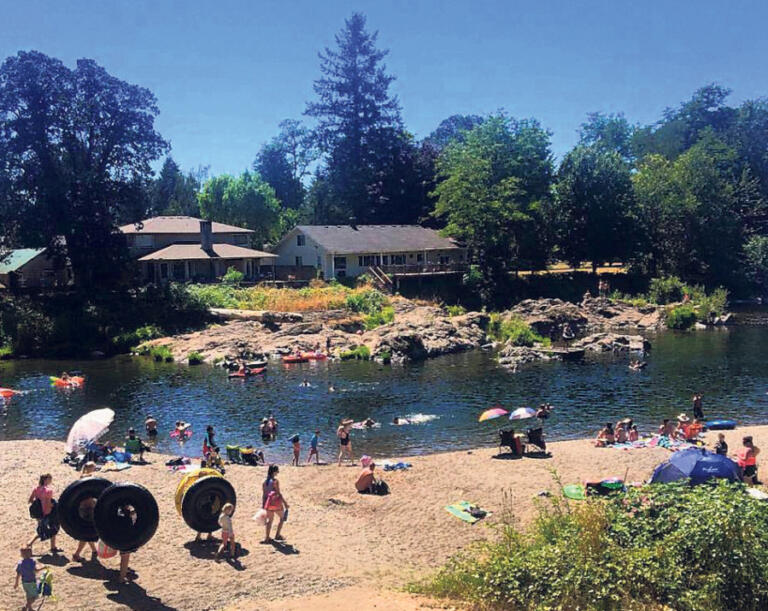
(334, 251)
(185, 248)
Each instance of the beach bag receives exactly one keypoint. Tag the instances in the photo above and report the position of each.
(36, 510)
(45, 583)
(380, 488)
(104, 551)
(274, 501)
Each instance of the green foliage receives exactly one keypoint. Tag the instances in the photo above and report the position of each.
(369, 301)
(651, 548)
(681, 317)
(514, 330)
(126, 340)
(161, 353)
(593, 211)
(76, 154)
(194, 358)
(25, 328)
(712, 305)
(456, 310)
(756, 254)
(361, 353)
(6, 351)
(491, 185)
(385, 356)
(667, 289)
(244, 201)
(384, 316)
(233, 277)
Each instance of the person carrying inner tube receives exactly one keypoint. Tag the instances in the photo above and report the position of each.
(47, 522)
(86, 511)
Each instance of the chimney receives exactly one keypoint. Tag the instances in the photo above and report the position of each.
(353, 222)
(206, 237)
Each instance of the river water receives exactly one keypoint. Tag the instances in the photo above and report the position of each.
(727, 365)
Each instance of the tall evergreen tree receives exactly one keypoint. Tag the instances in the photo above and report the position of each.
(359, 126)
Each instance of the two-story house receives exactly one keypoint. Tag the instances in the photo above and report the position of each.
(186, 248)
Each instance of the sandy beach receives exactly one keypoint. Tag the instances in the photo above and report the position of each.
(341, 547)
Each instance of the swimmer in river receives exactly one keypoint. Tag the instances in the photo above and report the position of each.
(400, 420)
(369, 422)
(305, 384)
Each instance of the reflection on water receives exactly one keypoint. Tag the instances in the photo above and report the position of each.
(727, 366)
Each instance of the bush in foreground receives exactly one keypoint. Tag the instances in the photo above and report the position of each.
(681, 317)
(662, 546)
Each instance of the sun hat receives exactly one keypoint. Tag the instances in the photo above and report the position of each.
(683, 418)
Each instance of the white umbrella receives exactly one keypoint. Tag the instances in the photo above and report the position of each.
(89, 427)
(521, 413)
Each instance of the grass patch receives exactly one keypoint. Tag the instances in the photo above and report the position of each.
(514, 330)
(650, 548)
(161, 353)
(456, 310)
(681, 317)
(361, 353)
(194, 358)
(384, 317)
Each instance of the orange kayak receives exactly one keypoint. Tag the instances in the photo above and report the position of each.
(314, 356)
(7, 393)
(295, 358)
(73, 381)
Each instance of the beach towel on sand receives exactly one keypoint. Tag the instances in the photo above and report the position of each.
(462, 509)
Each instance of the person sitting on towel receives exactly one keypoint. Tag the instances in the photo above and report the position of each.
(606, 436)
(366, 481)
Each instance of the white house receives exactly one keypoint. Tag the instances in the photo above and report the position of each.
(350, 250)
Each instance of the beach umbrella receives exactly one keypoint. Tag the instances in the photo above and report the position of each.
(89, 428)
(698, 465)
(521, 413)
(490, 414)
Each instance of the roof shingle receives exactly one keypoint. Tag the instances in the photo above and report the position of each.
(179, 224)
(184, 252)
(345, 239)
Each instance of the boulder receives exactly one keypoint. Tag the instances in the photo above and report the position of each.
(613, 342)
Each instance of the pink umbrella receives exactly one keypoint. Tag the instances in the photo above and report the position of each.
(490, 414)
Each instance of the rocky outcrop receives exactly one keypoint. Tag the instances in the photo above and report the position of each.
(418, 332)
(559, 319)
(613, 342)
(512, 356)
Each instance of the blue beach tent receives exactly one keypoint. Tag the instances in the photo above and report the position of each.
(698, 465)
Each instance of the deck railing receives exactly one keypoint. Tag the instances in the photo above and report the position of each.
(424, 269)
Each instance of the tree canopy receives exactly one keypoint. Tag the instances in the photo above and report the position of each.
(77, 147)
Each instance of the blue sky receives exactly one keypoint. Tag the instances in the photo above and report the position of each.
(226, 73)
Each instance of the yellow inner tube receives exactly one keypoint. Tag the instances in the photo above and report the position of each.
(187, 481)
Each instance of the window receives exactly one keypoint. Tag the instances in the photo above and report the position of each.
(398, 259)
(340, 263)
(143, 240)
(368, 260)
(385, 260)
(420, 257)
(301, 239)
(179, 270)
(164, 271)
(299, 262)
(444, 259)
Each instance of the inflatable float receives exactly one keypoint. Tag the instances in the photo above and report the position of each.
(123, 516)
(314, 356)
(294, 358)
(7, 393)
(200, 496)
(721, 425)
(72, 382)
(175, 434)
(247, 372)
(76, 506)
(126, 516)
